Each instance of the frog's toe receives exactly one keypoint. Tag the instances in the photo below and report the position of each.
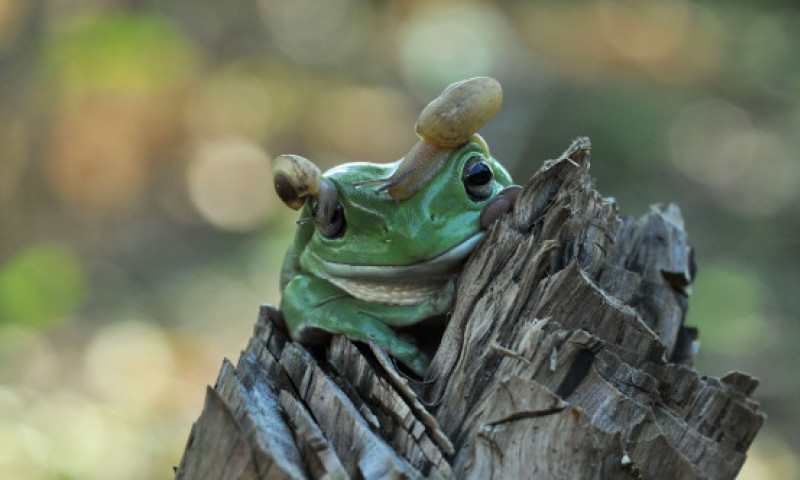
(442, 302)
(418, 363)
(498, 206)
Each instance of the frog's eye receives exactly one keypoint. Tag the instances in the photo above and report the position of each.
(477, 178)
(333, 227)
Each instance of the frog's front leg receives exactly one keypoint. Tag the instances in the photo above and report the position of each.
(310, 304)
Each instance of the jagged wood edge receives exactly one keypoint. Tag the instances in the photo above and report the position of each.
(545, 390)
(591, 307)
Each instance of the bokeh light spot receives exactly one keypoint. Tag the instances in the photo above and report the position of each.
(230, 184)
(443, 44)
(130, 362)
(41, 285)
(715, 143)
(77, 444)
(708, 141)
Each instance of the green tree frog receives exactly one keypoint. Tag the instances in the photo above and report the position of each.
(366, 260)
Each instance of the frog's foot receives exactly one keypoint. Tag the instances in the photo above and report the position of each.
(418, 363)
(416, 358)
(498, 206)
(399, 346)
(441, 302)
(314, 309)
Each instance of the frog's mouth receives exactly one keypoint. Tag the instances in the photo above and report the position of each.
(409, 284)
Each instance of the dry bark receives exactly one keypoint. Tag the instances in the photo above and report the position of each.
(565, 357)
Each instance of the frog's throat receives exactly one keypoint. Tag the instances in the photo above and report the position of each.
(394, 293)
(409, 284)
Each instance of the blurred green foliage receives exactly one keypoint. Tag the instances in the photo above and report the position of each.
(41, 285)
(131, 53)
(139, 232)
(729, 304)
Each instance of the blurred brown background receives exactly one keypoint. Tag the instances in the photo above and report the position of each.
(139, 231)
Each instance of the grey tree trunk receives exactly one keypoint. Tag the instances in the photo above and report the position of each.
(565, 357)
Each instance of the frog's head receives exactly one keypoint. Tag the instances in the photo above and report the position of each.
(423, 220)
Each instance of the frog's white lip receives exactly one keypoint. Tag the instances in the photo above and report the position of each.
(434, 268)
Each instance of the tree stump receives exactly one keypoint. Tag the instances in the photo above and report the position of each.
(565, 356)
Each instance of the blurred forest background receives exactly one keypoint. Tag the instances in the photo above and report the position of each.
(139, 231)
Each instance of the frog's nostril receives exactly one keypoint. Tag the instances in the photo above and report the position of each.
(433, 217)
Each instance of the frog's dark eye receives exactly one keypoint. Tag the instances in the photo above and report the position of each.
(333, 227)
(477, 178)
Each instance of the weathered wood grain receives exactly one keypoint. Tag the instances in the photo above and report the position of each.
(565, 356)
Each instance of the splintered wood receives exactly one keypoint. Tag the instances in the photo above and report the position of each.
(565, 356)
